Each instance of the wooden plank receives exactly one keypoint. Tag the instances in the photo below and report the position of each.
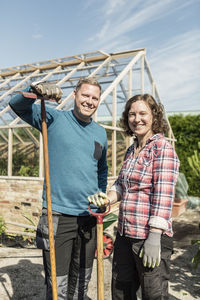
(114, 135)
(130, 83)
(10, 151)
(41, 158)
(20, 233)
(142, 74)
(32, 68)
(9, 79)
(14, 88)
(21, 225)
(121, 75)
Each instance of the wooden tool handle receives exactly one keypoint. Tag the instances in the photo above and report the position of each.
(100, 263)
(49, 208)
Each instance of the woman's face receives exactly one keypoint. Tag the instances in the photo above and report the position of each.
(140, 119)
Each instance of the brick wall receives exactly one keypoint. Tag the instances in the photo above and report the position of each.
(20, 198)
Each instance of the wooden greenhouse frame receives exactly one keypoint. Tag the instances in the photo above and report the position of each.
(121, 75)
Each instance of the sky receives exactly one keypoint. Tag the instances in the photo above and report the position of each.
(169, 30)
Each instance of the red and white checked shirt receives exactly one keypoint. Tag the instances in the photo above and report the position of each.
(146, 185)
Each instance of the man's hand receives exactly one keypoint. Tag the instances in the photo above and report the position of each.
(151, 250)
(47, 90)
(99, 199)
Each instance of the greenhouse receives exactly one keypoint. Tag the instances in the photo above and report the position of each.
(120, 74)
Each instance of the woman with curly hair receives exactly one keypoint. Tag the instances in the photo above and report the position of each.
(145, 189)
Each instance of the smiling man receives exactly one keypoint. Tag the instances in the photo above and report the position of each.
(78, 168)
(87, 97)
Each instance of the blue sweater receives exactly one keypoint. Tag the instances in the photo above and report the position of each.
(77, 155)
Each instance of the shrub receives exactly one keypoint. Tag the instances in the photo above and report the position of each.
(187, 132)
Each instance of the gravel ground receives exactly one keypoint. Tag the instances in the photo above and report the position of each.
(22, 276)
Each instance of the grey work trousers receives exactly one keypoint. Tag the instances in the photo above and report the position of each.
(75, 245)
(128, 272)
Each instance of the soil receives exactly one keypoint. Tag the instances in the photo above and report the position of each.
(22, 276)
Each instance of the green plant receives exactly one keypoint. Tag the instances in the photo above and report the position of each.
(29, 219)
(2, 229)
(196, 258)
(23, 165)
(3, 167)
(194, 161)
(2, 225)
(29, 230)
(24, 171)
(186, 130)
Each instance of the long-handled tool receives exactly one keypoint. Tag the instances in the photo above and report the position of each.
(48, 192)
(100, 254)
(48, 196)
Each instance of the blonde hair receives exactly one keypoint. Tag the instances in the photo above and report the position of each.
(87, 80)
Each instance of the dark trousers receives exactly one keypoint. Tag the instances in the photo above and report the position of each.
(75, 245)
(128, 272)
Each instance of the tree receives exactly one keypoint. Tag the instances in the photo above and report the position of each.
(187, 132)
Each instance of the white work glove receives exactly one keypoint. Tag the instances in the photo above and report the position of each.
(151, 250)
(47, 90)
(99, 199)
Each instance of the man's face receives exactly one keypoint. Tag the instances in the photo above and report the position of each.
(86, 101)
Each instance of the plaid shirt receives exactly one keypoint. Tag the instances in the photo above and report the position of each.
(146, 185)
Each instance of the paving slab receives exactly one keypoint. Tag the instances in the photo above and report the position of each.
(22, 275)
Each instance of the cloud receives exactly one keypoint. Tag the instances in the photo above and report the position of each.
(135, 14)
(173, 59)
(103, 31)
(113, 6)
(37, 36)
(176, 70)
(37, 32)
(123, 44)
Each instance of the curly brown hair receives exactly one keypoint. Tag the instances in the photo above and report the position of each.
(159, 123)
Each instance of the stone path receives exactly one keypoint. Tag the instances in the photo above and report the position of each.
(22, 277)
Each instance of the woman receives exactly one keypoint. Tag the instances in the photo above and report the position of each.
(145, 189)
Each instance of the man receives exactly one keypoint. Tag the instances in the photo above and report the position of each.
(78, 168)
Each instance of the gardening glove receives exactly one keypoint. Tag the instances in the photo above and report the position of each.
(151, 250)
(99, 199)
(47, 90)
